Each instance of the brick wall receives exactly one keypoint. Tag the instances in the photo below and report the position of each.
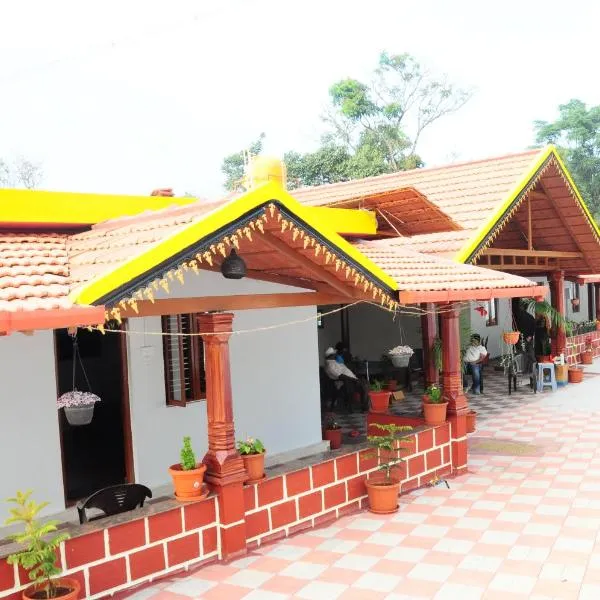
(577, 344)
(126, 555)
(278, 507)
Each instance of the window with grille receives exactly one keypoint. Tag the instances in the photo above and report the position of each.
(185, 379)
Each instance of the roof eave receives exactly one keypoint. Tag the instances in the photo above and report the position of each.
(445, 296)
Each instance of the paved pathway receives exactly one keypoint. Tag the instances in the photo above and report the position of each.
(523, 524)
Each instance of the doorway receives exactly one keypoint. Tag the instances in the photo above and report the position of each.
(99, 454)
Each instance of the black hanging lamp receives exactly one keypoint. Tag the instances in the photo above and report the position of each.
(233, 267)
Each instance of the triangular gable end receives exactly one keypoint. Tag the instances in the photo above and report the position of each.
(544, 220)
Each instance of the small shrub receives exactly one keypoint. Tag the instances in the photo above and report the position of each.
(187, 456)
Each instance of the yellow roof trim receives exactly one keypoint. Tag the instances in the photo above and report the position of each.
(209, 223)
(345, 221)
(66, 208)
(464, 253)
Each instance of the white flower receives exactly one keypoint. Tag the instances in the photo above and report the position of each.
(401, 350)
(76, 398)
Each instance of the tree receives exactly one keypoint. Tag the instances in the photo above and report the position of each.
(576, 134)
(234, 164)
(22, 173)
(372, 128)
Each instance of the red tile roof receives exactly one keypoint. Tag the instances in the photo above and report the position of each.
(34, 272)
(467, 192)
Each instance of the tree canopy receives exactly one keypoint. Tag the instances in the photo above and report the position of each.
(371, 128)
(21, 173)
(576, 134)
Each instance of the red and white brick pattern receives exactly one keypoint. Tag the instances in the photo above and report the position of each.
(578, 343)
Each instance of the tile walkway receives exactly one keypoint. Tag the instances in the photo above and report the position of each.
(523, 524)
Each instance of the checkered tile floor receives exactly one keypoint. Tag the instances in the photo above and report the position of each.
(523, 524)
(494, 401)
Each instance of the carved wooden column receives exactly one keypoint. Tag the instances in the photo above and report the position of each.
(452, 385)
(225, 471)
(597, 296)
(428, 332)
(557, 295)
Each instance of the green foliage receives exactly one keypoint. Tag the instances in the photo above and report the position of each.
(368, 125)
(389, 442)
(39, 556)
(576, 133)
(544, 309)
(376, 385)
(233, 165)
(187, 456)
(250, 446)
(434, 394)
(331, 423)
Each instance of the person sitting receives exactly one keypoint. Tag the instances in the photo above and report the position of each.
(344, 378)
(475, 354)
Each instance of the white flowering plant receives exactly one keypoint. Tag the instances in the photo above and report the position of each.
(250, 446)
(401, 351)
(76, 399)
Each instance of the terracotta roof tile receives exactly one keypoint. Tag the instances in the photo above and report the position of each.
(34, 272)
(467, 192)
(417, 272)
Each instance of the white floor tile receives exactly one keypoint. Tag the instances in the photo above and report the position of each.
(303, 570)
(356, 562)
(321, 590)
(428, 572)
(377, 582)
(249, 578)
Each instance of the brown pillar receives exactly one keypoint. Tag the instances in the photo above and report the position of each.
(452, 385)
(428, 332)
(557, 295)
(597, 295)
(225, 471)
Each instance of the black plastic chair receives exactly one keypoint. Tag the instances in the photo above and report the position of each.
(114, 500)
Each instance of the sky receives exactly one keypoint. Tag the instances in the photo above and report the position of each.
(124, 96)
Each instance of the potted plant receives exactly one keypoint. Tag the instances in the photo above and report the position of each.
(383, 490)
(434, 406)
(79, 406)
(40, 554)
(253, 455)
(511, 338)
(575, 302)
(587, 356)
(471, 421)
(332, 432)
(575, 374)
(379, 397)
(391, 385)
(188, 475)
(400, 355)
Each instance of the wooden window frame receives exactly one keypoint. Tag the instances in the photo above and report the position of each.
(489, 322)
(196, 360)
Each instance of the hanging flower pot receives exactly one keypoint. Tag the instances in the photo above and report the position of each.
(511, 337)
(78, 405)
(575, 302)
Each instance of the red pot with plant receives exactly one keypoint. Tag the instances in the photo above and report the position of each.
(434, 406)
(391, 385)
(39, 554)
(587, 356)
(575, 375)
(380, 398)
(383, 488)
(188, 475)
(332, 432)
(253, 452)
(511, 337)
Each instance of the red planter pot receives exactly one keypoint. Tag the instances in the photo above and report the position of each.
(435, 414)
(187, 484)
(255, 466)
(334, 436)
(575, 375)
(379, 401)
(587, 357)
(383, 495)
(66, 583)
(471, 421)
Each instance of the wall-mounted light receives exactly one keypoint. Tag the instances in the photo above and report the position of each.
(233, 267)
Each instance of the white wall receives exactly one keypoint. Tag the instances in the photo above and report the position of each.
(29, 430)
(275, 381)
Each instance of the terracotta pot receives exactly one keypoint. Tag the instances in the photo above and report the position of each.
(471, 420)
(63, 582)
(511, 337)
(435, 414)
(383, 495)
(379, 401)
(543, 359)
(391, 385)
(334, 436)
(575, 375)
(188, 484)
(587, 357)
(562, 374)
(255, 466)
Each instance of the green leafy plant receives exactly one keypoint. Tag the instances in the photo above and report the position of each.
(544, 309)
(331, 423)
(434, 394)
(388, 446)
(250, 446)
(187, 456)
(376, 385)
(39, 556)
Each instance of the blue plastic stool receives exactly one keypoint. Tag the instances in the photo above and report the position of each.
(546, 377)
